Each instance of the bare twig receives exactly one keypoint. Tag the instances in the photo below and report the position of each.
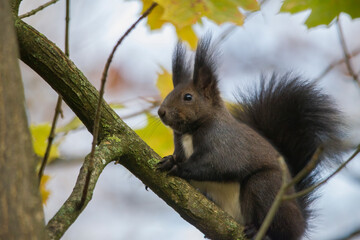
(38, 9)
(58, 110)
(50, 138)
(306, 191)
(276, 204)
(67, 25)
(334, 64)
(346, 53)
(101, 94)
(307, 169)
(141, 111)
(351, 235)
(104, 76)
(284, 187)
(226, 33)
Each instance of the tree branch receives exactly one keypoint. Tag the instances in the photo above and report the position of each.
(38, 9)
(95, 131)
(334, 64)
(286, 185)
(310, 189)
(106, 152)
(277, 201)
(63, 76)
(346, 53)
(58, 110)
(50, 138)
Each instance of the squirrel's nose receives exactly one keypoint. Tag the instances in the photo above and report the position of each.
(161, 112)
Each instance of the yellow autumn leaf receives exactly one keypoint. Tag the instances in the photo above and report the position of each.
(154, 19)
(164, 83)
(40, 134)
(248, 5)
(157, 136)
(45, 193)
(187, 34)
(221, 11)
(183, 14)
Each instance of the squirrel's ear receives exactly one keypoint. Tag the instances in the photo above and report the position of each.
(205, 79)
(180, 65)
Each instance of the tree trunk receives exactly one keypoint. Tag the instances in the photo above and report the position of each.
(21, 215)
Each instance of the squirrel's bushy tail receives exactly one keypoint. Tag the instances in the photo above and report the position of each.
(296, 118)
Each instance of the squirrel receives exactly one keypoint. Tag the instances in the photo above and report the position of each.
(232, 156)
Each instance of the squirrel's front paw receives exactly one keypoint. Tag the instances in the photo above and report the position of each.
(168, 164)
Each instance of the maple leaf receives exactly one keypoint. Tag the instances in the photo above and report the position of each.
(322, 11)
(184, 14)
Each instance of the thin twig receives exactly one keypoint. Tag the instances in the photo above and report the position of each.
(334, 64)
(101, 94)
(284, 187)
(346, 53)
(50, 138)
(140, 112)
(307, 169)
(276, 204)
(226, 33)
(104, 76)
(351, 235)
(310, 189)
(67, 28)
(38, 9)
(58, 110)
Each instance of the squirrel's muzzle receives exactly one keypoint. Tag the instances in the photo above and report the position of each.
(161, 112)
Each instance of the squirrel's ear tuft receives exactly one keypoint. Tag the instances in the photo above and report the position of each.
(205, 79)
(180, 66)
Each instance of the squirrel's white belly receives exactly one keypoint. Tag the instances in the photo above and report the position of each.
(226, 195)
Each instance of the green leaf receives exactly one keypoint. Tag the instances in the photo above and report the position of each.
(157, 136)
(322, 11)
(40, 134)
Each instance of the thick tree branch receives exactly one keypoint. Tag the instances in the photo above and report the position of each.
(15, 4)
(63, 76)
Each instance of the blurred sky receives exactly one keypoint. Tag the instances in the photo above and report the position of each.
(268, 41)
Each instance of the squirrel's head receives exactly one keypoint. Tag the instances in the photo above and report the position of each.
(196, 96)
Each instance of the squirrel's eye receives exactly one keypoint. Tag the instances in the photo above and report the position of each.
(187, 97)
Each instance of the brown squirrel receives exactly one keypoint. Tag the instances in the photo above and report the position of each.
(232, 157)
